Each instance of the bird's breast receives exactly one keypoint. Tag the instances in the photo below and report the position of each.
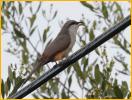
(72, 42)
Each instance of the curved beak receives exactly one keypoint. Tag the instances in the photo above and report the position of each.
(80, 23)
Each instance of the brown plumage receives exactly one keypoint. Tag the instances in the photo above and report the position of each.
(59, 47)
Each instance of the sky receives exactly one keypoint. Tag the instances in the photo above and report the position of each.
(70, 10)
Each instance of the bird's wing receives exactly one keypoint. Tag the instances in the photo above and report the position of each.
(59, 44)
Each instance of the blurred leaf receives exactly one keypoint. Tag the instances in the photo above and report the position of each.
(69, 69)
(24, 45)
(118, 42)
(92, 82)
(48, 43)
(84, 62)
(24, 57)
(45, 33)
(51, 8)
(44, 37)
(15, 10)
(31, 9)
(70, 80)
(104, 29)
(55, 88)
(10, 73)
(118, 9)
(18, 33)
(44, 13)
(20, 8)
(94, 24)
(15, 25)
(43, 88)
(129, 95)
(18, 82)
(8, 14)
(63, 94)
(31, 32)
(104, 10)
(38, 8)
(35, 96)
(14, 75)
(54, 15)
(8, 85)
(3, 22)
(54, 85)
(88, 5)
(104, 52)
(78, 70)
(118, 92)
(115, 82)
(125, 43)
(91, 35)
(2, 88)
(112, 62)
(83, 42)
(103, 86)
(123, 72)
(97, 51)
(86, 29)
(32, 20)
(124, 89)
(94, 62)
(109, 69)
(6, 88)
(3, 4)
(97, 74)
(125, 65)
(90, 68)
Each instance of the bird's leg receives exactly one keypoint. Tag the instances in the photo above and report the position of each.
(56, 62)
(48, 66)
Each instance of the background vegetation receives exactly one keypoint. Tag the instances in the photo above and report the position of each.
(95, 75)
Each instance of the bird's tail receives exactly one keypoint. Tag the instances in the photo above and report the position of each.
(37, 66)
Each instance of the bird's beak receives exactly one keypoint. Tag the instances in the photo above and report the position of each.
(80, 23)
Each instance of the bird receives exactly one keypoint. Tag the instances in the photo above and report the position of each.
(60, 47)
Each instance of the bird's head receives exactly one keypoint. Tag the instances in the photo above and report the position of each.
(72, 23)
(71, 26)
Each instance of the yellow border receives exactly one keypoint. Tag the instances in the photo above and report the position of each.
(0, 50)
(131, 49)
(64, 1)
(68, 0)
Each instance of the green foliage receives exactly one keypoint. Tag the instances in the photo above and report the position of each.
(93, 74)
(2, 88)
(88, 5)
(104, 10)
(118, 92)
(45, 33)
(12, 83)
(97, 74)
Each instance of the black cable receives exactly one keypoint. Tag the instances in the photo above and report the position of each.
(73, 58)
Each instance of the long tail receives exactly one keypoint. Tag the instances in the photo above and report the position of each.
(37, 66)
